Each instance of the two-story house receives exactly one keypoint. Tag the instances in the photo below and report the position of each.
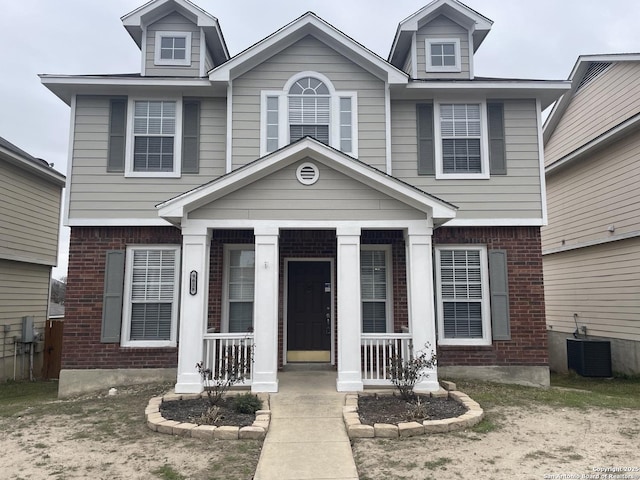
(591, 247)
(304, 201)
(31, 194)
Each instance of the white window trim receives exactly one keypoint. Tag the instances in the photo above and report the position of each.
(226, 262)
(165, 61)
(177, 141)
(389, 280)
(484, 142)
(126, 308)
(486, 307)
(334, 114)
(444, 68)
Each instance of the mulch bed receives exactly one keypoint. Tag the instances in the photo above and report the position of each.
(393, 409)
(191, 411)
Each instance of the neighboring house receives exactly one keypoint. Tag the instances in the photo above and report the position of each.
(31, 194)
(304, 200)
(591, 246)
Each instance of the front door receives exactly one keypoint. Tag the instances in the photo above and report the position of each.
(309, 311)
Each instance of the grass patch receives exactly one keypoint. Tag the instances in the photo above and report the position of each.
(16, 396)
(566, 391)
(440, 463)
(167, 472)
(486, 425)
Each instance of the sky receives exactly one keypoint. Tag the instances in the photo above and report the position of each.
(535, 39)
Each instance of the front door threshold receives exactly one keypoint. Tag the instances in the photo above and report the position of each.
(308, 356)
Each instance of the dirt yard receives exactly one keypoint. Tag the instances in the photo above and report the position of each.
(105, 437)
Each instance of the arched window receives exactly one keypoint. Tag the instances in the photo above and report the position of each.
(309, 105)
(309, 110)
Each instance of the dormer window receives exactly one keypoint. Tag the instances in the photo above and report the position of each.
(309, 110)
(173, 48)
(443, 54)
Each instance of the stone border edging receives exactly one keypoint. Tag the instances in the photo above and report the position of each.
(157, 423)
(471, 417)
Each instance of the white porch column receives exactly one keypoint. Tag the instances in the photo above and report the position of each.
(265, 311)
(422, 321)
(196, 246)
(349, 310)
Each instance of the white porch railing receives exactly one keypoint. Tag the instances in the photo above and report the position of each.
(377, 349)
(222, 348)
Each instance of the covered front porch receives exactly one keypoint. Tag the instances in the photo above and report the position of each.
(299, 298)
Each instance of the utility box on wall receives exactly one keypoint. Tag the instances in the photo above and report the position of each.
(589, 358)
(27, 330)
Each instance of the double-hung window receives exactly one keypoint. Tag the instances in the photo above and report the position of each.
(239, 288)
(309, 105)
(443, 55)
(155, 138)
(461, 146)
(463, 296)
(374, 287)
(151, 296)
(173, 48)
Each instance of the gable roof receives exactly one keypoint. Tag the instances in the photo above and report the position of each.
(16, 156)
(308, 24)
(154, 10)
(579, 73)
(177, 208)
(478, 24)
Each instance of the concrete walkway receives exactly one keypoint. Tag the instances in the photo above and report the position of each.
(307, 438)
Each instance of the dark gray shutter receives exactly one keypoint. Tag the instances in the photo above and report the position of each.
(499, 287)
(112, 299)
(117, 134)
(497, 155)
(426, 153)
(190, 137)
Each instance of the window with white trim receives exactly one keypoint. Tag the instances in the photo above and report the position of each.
(173, 48)
(151, 296)
(443, 55)
(310, 106)
(461, 140)
(375, 286)
(239, 288)
(463, 296)
(154, 138)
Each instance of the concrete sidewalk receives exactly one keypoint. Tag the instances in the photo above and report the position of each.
(307, 438)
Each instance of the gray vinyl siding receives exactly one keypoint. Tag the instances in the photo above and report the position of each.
(30, 216)
(515, 195)
(609, 99)
(408, 65)
(24, 291)
(96, 194)
(308, 54)
(593, 194)
(334, 196)
(174, 22)
(600, 284)
(442, 27)
(208, 62)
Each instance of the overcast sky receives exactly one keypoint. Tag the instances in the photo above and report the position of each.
(529, 39)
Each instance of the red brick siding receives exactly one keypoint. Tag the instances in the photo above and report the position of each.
(528, 344)
(83, 306)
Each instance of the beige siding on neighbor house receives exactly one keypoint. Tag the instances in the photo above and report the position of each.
(593, 194)
(334, 196)
(601, 284)
(308, 54)
(174, 22)
(96, 194)
(30, 216)
(515, 195)
(24, 291)
(442, 27)
(609, 99)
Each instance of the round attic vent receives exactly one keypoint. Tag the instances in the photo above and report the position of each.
(307, 173)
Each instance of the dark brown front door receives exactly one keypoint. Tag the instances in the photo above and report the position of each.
(309, 311)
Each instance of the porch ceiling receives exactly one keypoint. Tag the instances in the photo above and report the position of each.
(267, 189)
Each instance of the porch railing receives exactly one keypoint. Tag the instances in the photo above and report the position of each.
(222, 348)
(376, 351)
